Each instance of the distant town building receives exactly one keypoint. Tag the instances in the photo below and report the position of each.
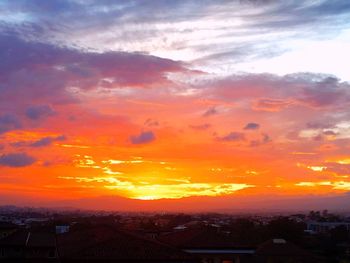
(209, 245)
(324, 227)
(62, 229)
(107, 244)
(280, 250)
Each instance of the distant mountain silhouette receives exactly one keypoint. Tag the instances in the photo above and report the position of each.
(233, 203)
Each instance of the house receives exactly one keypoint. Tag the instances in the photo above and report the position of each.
(324, 227)
(282, 251)
(41, 245)
(28, 246)
(209, 245)
(7, 228)
(62, 229)
(89, 244)
(13, 246)
(107, 244)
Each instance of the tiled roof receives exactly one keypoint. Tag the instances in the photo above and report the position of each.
(7, 225)
(104, 242)
(29, 239)
(200, 238)
(277, 247)
(41, 239)
(18, 238)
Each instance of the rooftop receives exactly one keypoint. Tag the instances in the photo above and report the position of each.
(103, 242)
(207, 237)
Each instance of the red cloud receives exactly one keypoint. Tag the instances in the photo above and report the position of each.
(270, 104)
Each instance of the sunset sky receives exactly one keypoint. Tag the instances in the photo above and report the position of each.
(173, 99)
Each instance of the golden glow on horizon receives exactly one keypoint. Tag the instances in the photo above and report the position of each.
(159, 191)
(188, 168)
(337, 185)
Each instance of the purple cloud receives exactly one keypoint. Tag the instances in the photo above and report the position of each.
(319, 125)
(329, 132)
(232, 136)
(42, 73)
(143, 137)
(252, 126)
(42, 142)
(324, 92)
(265, 138)
(150, 122)
(9, 122)
(39, 111)
(200, 127)
(306, 89)
(210, 112)
(81, 67)
(16, 160)
(46, 141)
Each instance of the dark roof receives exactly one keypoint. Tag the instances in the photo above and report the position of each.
(17, 238)
(29, 239)
(103, 242)
(200, 238)
(280, 247)
(41, 239)
(7, 225)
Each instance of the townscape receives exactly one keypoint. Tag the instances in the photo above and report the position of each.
(48, 235)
